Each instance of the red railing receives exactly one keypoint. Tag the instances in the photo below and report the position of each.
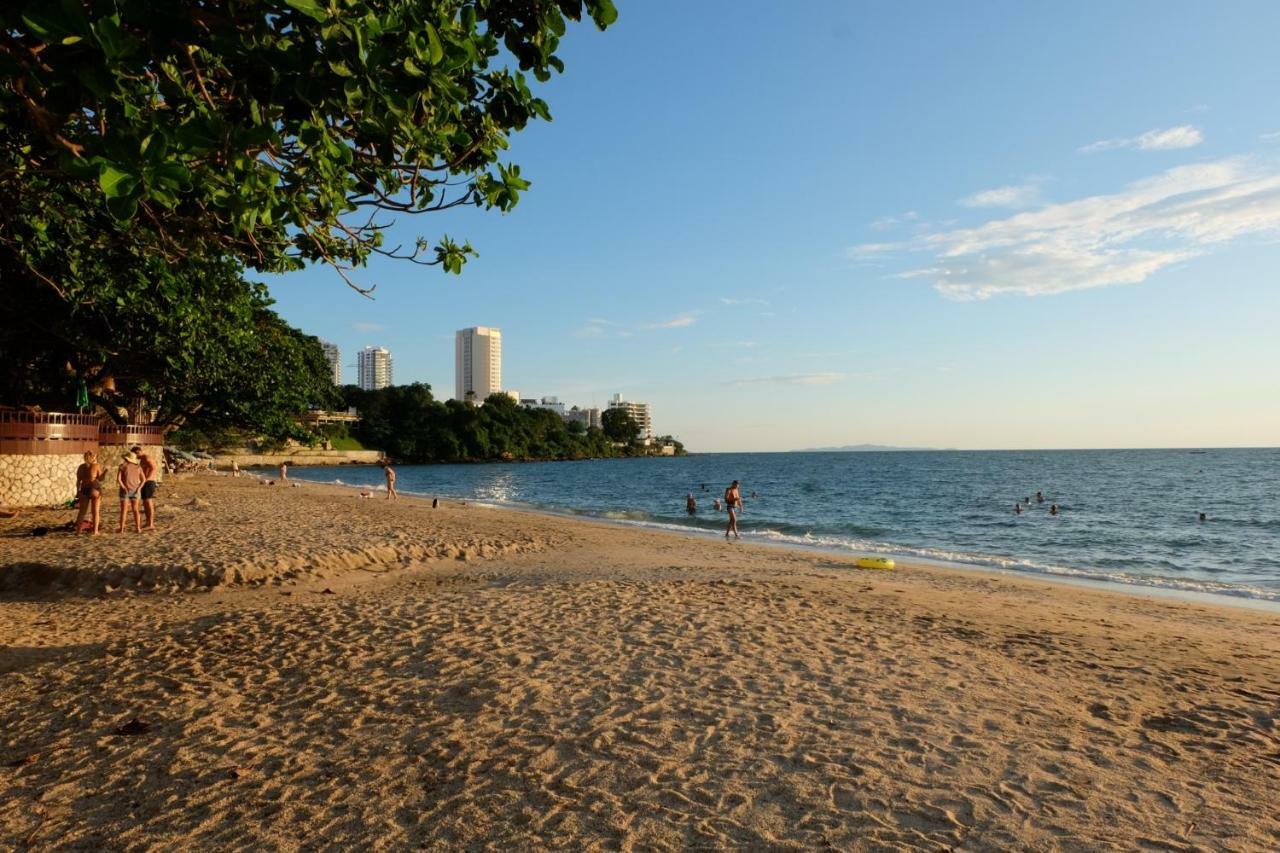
(131, 434)
(42, 433)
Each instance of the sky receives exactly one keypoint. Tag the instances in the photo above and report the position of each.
(996, 225)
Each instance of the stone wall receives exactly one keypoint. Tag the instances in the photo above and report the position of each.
(111, 455)
(46, 479)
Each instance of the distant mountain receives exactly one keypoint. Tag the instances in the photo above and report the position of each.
(860, 448)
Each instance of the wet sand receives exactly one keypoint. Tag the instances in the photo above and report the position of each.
(388, 675)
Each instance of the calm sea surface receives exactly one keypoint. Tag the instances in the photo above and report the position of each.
(1128, 516)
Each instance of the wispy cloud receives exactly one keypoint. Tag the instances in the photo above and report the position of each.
(369, 327)
(1015, 195)
(828, 378)
(1167, 139)
(1118, 238)
(886, 222)
(686, 319)
(1273, 136)
(595, 327)
(742, 300)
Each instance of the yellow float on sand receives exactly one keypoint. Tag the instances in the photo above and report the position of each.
(875, 563)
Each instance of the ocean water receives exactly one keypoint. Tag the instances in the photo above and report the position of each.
(1127, 516)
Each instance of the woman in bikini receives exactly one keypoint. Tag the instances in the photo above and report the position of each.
(89, 492)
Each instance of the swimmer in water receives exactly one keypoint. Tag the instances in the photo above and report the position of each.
(690, 505)
(1053, 509)
(1039, 498)
(1017, 509)
(1204, 517)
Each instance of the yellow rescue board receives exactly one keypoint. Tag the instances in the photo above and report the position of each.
(875, 563)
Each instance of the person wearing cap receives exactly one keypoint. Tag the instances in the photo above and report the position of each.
(149, 486)
(129, 478)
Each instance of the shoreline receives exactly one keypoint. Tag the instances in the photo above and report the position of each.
(1155, 586)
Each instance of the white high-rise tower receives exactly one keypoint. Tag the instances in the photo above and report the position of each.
(334, 355)
(478, 365)
(373, 364)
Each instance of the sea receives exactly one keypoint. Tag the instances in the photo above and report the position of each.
(1128, 517)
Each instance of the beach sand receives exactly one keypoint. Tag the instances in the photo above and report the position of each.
(384, 675)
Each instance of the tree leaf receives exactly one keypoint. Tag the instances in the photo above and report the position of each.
(311, 8)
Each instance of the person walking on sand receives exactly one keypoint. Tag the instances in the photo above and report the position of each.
(149, 486)
(129, 478)
(284, 471)
(391, 481)
(733, 505)
(235, 468)
(89, 493)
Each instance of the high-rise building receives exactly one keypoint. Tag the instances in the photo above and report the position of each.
(334, 355)
(373, 364)
(478, 365)
(639, 413)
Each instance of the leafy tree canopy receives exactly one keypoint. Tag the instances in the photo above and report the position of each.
(619, 425)
(152, 341)
(275, 132)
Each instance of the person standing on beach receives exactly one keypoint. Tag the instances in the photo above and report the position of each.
(284, 472)
(129, 478)
(391, 481)
(235, 468)
(690, 505)
(732, 504)
(89, 492)
(149, 486)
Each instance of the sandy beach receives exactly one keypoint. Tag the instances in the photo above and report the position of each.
(300, 669)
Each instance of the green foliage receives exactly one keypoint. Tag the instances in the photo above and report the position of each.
(274, 132)
(619, 426)
(154, 341)
(408, 424)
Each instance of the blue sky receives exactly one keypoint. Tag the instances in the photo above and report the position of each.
(995, 225)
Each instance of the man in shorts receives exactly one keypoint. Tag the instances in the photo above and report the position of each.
(732, 504)
(391, 481)
(129, 478)
(149, 470)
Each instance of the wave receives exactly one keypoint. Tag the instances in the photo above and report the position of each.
(860, 539)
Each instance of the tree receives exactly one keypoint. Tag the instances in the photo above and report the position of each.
(619, 426)
(277, 132)
(151, 341)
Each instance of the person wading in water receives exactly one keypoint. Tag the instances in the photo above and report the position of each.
(733, 505)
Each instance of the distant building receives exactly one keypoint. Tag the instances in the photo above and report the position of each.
(373, 364)
(551, 403)
(478, 363)
(334, 355)
(639, 413)
(587, 417)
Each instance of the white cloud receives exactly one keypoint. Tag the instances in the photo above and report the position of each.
(675, 322)
(594, 328)
(1273, 136)
(1016, 195)
(1119, 238)
(1167, 139)
(886, 222)
(369, 327)
(793, 379)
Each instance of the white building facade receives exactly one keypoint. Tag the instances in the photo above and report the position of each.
(373, 364)
(477, 363)
(334, 355)
(639, 413)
